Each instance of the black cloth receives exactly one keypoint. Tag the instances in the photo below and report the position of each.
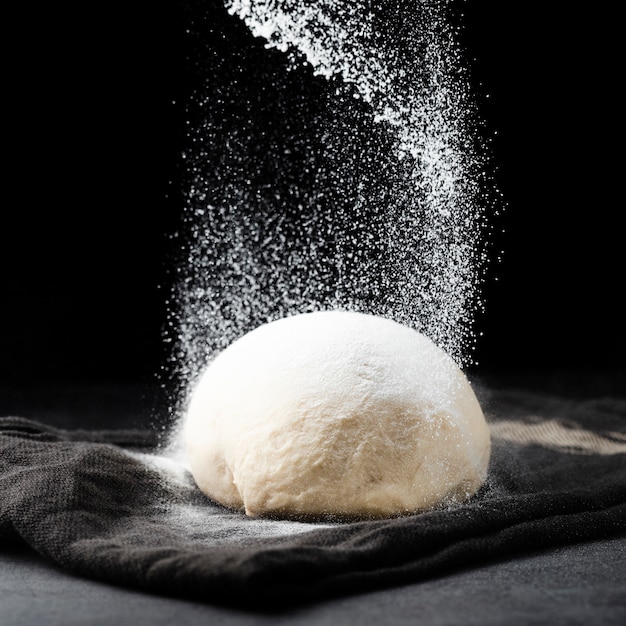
(107, 505)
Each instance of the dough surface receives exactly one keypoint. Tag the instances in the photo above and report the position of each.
(335, 413)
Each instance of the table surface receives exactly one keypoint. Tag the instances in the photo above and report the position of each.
(578, 584)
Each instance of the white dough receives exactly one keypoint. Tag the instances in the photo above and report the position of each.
(335, 413)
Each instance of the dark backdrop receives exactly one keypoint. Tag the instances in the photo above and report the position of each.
(93, 134)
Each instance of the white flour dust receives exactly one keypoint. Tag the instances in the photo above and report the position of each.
(193, 519)
(333, 161)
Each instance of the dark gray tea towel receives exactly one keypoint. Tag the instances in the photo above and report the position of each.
(109, 506)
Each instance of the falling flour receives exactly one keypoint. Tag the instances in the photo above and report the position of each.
(367, 191)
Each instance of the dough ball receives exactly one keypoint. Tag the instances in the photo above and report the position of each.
(335, 413)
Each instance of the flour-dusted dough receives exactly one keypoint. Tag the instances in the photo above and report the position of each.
(335, 413)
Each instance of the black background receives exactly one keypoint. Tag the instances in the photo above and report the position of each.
(94, 125)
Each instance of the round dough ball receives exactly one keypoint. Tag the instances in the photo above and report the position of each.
(335, 413)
